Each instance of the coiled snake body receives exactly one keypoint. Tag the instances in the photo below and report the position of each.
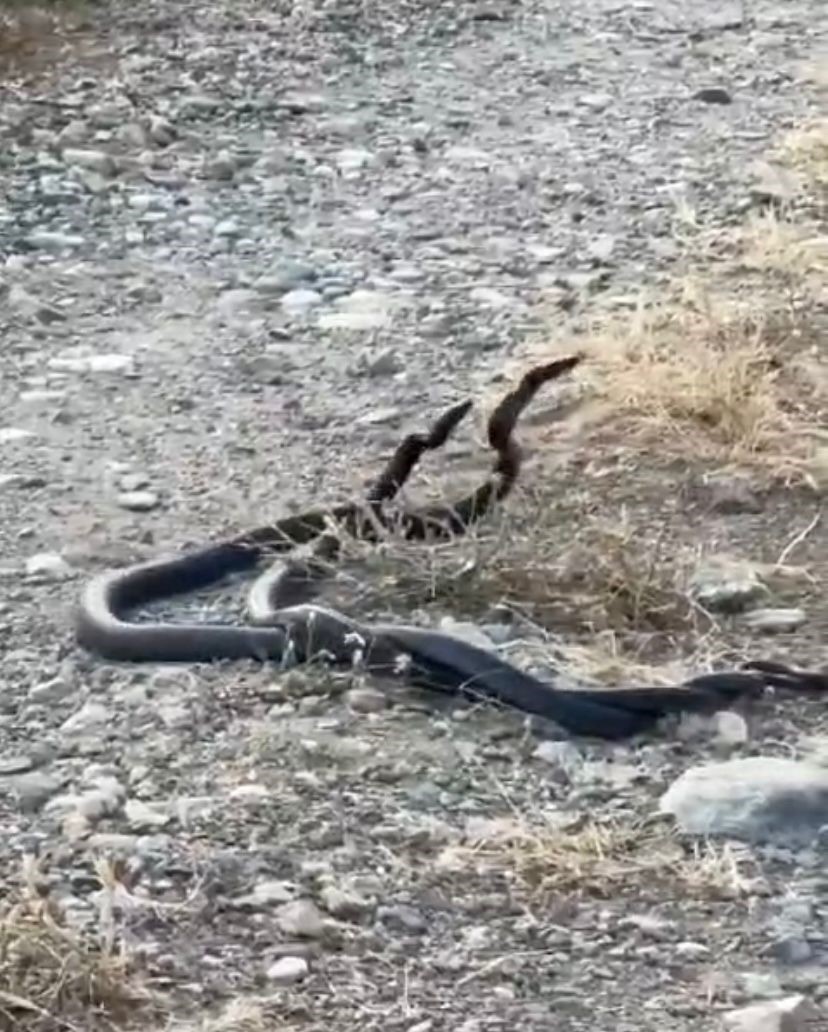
(279, 625)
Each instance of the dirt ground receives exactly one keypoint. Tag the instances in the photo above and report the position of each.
(245, 249)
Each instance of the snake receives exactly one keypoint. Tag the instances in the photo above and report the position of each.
(283, 623)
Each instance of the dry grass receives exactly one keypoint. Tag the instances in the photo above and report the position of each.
(56, 976)
(242, 1014)
(805, 150)
(724, 366)
(547, 563)
(601, 859)
(726, 363)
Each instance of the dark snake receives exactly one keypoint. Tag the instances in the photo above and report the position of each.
(283, 624)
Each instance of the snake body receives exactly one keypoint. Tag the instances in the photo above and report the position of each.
(282, 623)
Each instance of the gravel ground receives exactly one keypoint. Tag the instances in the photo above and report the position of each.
(245, 249)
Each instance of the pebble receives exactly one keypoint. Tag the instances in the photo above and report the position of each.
(345, 905)
(300, 300)
(10, 434)
(271, 892)
(90, 715)
(760, 984)
(34, 788)
(466, 631)
(93, 160)
(786, 1014)
(48, 692)
(564, 755)
(301, 917)
(713, 95)
(144, 817)
(733, 495)
(18, 764)
(103, 363)
(775, 621)
(48, 566)
(722, 587)
(366, 700)
(138, 501)
(730, 729)
(385, 363)
(402, 918)
(288, 970)
(52, 240)
(284, 277)
(134, 481)
(354, 159)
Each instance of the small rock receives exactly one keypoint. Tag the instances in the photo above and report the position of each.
(300, 917)
(90, 715)
(271, 892)
(228, 228)
(345, 905)
(93, 160)
(600, 249)
(729, 728)
(366, 700)
(222, 167)
(760, 985)
(300, 300)
(73, 133)
(284, 277)
(713, 95)
(466, 631)
(160, 131)
(374, 417)
(386, 363)
(48, 240)
(490, 297)
(299, 103)
(137, 501)
(692, 951)
(47, 692)
(788, 1014)
(134, 481)
(103, 363)
(596, 101)
(143, 817)
(403, 918)
(353, 159)
(758, 798)
(9, 434)
(564, 755)
(733, 495)
(18, 764)
(34, 788)
(270, 369)
(99, 802)
(288, 970)
(792, 949)
(238, 300)
(724, 587)
(775, 621)
(650, 926)
(48, 565)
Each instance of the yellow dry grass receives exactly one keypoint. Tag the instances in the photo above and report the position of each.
(598, 858)
(53, 976)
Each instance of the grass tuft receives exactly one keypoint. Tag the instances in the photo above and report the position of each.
(54, 975)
